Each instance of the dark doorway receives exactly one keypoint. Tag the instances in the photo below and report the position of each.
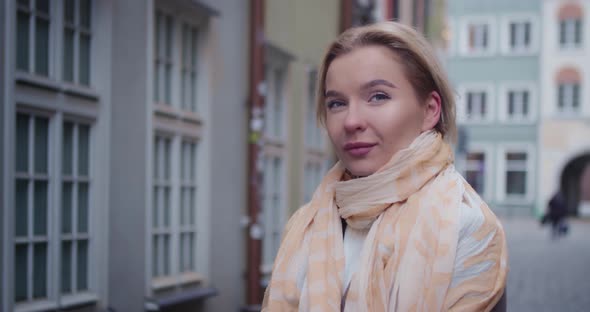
(575, 182)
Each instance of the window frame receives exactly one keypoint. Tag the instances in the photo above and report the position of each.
(517, 86)
(32, 40)
(465, 23)
(464, 90)
(486, 149)
(78, 31)
(569, 109)
(55, 298)
(570, 33)
(530, 187)
(180, 125)
(273, 219)
(506, 35)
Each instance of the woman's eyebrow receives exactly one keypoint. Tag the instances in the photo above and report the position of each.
(377, 82)
(331, 93)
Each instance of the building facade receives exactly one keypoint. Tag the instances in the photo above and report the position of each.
(493, 62)
(564, 132)
(120, 122)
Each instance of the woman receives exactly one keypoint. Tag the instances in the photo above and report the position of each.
(392, 226)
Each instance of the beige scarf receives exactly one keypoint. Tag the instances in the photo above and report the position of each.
(411, 206)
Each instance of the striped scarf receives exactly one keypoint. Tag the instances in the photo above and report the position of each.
(411, 206)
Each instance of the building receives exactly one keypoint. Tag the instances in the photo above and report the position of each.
(494, 64)
(120, 122)
(564, 132)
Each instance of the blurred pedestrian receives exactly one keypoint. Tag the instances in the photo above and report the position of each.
(392, 226)
(556, 215)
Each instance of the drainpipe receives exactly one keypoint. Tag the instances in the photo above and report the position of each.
(345, 14)
(255, 124)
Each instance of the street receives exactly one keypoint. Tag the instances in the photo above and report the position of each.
(546, 274)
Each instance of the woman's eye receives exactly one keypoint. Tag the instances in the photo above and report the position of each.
(334, 104)
(379, 97)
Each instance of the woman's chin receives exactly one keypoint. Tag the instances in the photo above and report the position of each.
(361, 171)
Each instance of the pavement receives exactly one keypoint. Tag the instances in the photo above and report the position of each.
(547, 274)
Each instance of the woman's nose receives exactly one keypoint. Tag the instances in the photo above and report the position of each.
(354, 119)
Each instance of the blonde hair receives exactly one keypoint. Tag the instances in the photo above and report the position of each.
(416, 56)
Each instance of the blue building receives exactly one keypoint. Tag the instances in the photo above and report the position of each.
(493, 62)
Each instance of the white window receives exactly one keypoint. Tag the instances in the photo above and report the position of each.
(568, 97)
(39, 249)
(33, 36)
(275, 102)
(273, 208)
(178, 249)
(313, 174)
(475, 171)
(162, 202)
(476, 103)
(164, 46)
(478, 168)
(189, 67)
(477, 36)
(518, 102)
(75, 207)
(32, 209)
(314, 135)
(77, 41)
(188, 204)
(516, 171)
(520, 35)
(515, 181)
(570, 32)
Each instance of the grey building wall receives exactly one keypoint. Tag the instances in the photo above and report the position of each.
(128, 162)
(3, 132)
(228, 114)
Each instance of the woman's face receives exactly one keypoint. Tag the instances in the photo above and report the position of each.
(372, 110)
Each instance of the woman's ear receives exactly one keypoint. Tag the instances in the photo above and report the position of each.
(432, 110)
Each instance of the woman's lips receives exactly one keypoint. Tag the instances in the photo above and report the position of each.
(358, 149)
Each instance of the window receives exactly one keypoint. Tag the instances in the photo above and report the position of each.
(162, 228)
(314, 135)
(518, 102)
(478, 37)
(568, 97)
(32, 209)
(273, 206)
(568, 81)
(520, 35)
(40, 250)
(77, 37)
(164, 60)
(174, 215)
(33, 36)
(188, 205)
(75, 204)
(475, 171)
(476, 105)
(178, 249)
(515, 179)
(274, 109)
(189, 68)
(570, 18)
(570, 32)
(516, 174)
(312, 178)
